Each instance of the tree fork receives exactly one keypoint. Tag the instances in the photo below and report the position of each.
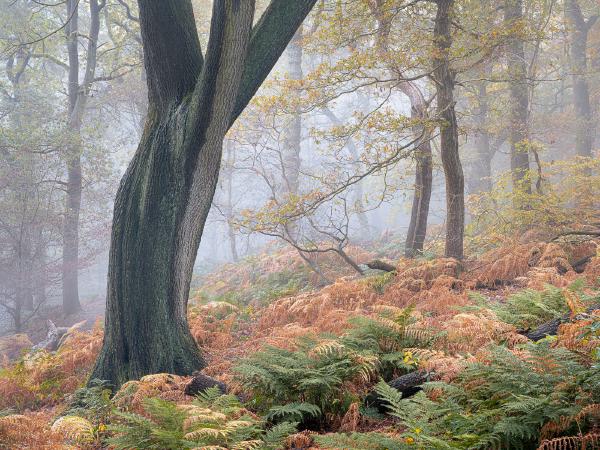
(165, 195)
(444, 80)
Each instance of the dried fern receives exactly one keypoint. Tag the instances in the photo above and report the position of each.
(583, 442)
(74, 428)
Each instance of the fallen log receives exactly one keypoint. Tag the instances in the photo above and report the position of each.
(56, 336)
(551, 328)
(408, 385)
(200, 382)
(53, 337)
(575, 233)
(378, 264)
(579, 265)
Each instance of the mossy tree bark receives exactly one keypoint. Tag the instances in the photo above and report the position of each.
(165, 195)
(444, 78)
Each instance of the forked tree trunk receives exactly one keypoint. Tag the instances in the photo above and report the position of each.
(164, 197)
(417, 229)
(70, 256)
(578, 33)
(445, 79)
(78, 95)
(519, 99)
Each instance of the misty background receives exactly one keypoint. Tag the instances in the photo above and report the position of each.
(67, 136)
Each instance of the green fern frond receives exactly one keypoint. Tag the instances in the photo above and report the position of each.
(361, 441)
(274, 437)
(292, 411)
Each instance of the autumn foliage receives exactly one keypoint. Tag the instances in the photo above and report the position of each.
(440, 316)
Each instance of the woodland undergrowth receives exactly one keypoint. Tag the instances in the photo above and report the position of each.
(307, 367)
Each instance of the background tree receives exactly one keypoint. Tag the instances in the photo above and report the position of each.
(578, 29)
(444, 77)
(78, 93)
(519, 96)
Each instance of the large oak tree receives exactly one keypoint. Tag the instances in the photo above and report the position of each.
(165, 195)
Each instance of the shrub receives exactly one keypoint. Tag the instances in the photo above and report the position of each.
(363, 441)
(502, 402)
(316, 374)
(211, 420)
(329, 372)
(529, 308)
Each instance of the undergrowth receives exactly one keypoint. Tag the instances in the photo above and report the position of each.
(212, 420)
(504, 402)
(310, 360)
(529, 308)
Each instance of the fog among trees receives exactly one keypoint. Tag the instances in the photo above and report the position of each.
(181, 180)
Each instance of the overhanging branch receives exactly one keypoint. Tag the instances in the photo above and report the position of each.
(269, 38)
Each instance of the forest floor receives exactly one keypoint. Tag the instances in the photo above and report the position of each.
(295, 355)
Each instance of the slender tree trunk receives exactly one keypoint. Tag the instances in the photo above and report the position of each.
(482, 169)
(24, 294)
(41, 279)
(228, 174)
(445, 79)
(578, 32)
(21, 266)
(17, 316)
(22, 244)
(290, 158)
(70, 258)
(417, 229)
(358, 192)
(232, 243)
(27, 275)
(77, 95)
(293, 133)
(519, 98)
(70, 266)
(165, 196)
